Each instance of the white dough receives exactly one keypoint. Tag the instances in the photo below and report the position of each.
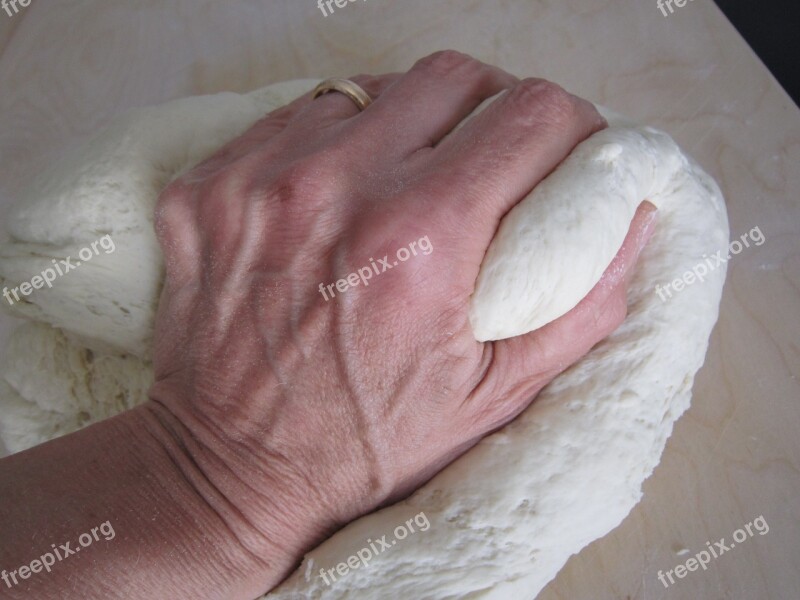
(506, 516)
(51, 386)
(539, 253)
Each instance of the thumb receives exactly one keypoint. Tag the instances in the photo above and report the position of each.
(523, 365)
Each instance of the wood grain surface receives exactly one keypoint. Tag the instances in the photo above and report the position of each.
(69, 66)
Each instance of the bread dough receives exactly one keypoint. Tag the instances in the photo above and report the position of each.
(537, 267)
(506, 516)
(51, 386)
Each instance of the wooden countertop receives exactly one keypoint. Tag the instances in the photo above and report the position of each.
(67, 67)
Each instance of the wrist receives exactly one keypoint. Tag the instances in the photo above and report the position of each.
(129, 474)
(187, 526)
(267, 512)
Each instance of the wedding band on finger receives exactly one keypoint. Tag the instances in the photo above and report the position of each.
(344, 86)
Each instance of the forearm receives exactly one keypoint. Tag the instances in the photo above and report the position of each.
(133, 476)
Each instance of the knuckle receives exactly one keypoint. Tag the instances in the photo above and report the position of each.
(300, 181)
(445, 62)
(539, 101)
(225, 183)
(172, 206)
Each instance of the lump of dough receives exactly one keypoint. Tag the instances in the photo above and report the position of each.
(554, 245)
(51, 386)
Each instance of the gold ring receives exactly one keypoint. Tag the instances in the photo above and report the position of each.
(348, 88)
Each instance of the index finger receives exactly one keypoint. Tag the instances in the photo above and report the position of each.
(502, 153)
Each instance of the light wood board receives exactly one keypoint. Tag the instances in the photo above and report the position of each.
(68, 66)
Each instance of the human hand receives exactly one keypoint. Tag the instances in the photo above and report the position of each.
(303, 406)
